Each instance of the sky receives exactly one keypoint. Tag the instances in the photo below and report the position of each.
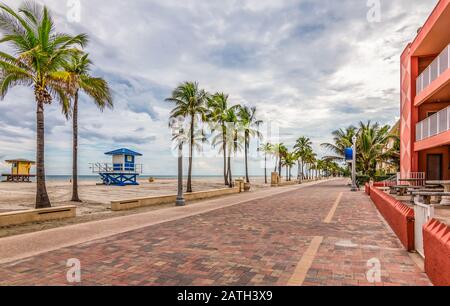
(309, 66)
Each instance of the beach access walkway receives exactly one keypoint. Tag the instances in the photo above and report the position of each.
(312, 234)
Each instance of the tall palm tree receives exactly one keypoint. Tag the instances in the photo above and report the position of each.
(301, 147)
(217, 114)
(267, 149)
(234, 139)
(310, 159)
(289, 162)
(96, 88)
(39, 54)
(190, 102)
(250, 125)
(280, 151)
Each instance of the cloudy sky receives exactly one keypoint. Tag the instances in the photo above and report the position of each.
(310, 66)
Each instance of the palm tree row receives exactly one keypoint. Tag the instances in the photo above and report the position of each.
(232, 126)
(309, 166)
(375, 145)
(55, 66)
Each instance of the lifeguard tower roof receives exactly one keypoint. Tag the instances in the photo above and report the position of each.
(123, 152)
(19, 160)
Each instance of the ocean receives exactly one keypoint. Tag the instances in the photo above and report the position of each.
(60, 178)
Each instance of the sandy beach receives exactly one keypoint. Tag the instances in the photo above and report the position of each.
(97, 198)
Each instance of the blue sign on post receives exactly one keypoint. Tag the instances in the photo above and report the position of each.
(349, 154)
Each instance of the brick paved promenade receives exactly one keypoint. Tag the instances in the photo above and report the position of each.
(318, 235)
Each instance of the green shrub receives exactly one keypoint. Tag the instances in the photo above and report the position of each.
(362, 179)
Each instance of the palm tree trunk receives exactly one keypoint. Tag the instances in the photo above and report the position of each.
(75, 197)
(265, 167)
(279, 166)
(42, 200)
(303, 170)
(230, 176)
(191, 152)
(246, 158)
(224, 148)
(276, 164)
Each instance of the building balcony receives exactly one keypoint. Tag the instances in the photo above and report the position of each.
(431, 83)
(434, 125)
(433, 131)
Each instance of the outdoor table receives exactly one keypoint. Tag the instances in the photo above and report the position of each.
(426, 196)
(445, 199)
(400, 189)
(414, 190)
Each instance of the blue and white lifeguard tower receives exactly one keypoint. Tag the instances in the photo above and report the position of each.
(123, 171)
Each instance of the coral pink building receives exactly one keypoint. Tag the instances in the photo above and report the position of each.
(425, 98)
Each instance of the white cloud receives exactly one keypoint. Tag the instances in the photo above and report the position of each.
(313, 66)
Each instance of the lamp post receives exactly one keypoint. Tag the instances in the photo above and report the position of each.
(180, 198)
(354, 187)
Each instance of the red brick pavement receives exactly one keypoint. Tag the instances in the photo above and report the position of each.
(254, 243)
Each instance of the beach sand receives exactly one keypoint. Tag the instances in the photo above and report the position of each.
(97, 198)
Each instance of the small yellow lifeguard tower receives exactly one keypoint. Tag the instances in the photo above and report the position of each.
(20, 171)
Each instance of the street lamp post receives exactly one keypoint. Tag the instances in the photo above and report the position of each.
(354, 187)
(180, 198)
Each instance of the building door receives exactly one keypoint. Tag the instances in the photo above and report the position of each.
(434, 167)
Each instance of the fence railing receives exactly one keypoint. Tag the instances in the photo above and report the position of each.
(411, 178)
(422, 214)
(435, 124)
(120, 168)
(434, 70)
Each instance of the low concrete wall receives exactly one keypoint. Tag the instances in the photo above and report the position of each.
(383, 184)
(158, 200)
(436, 242)
(37, 215)
(287, 183)
(367, 189)
(399, 216)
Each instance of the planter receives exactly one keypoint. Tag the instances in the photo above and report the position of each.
(247, 187)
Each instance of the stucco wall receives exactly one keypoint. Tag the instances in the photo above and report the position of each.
(399, 216)
(436, 236)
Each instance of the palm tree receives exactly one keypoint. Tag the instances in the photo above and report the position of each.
(289, 161)
(39, 54)
(190, 102)
(267, 149)
(309, 159)
(96, 88)
(248, 122)
(342, 139)
(217, 114)
(372, 147)
(280, 151)
(320, 166)
(302, 146)
(234, 139)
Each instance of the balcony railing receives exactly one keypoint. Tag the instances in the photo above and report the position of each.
(435, 124)
(434, 70)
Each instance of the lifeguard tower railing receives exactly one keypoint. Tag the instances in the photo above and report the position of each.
(116, 168)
